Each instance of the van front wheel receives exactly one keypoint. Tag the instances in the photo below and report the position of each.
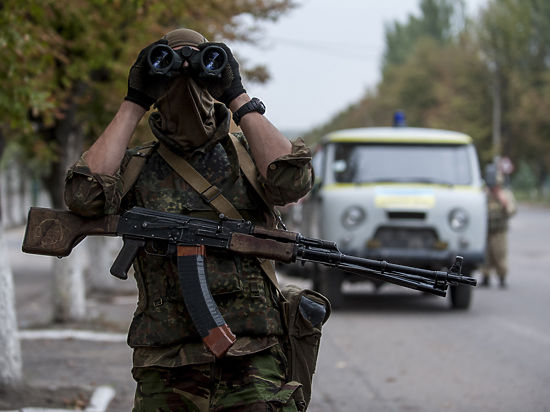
(461, 296)
(329, 283)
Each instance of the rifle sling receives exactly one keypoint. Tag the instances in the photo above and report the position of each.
(134, 167)
(210, 193)
(249, 168)
(213, 195)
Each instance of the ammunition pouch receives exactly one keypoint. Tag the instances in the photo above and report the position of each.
(305, 312)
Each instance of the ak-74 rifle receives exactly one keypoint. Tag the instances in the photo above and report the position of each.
(56, 233)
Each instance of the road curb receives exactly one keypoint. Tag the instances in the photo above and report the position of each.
(52, 334)
(102, 395)
(99, 402)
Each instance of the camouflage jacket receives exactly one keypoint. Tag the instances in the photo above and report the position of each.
(161, 332)
(499, 210)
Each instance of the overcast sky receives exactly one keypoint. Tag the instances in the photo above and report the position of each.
(323, 56)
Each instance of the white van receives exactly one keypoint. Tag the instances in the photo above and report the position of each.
(410, 196)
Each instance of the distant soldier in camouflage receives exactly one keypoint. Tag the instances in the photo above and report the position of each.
(501, 206)
(173, 369)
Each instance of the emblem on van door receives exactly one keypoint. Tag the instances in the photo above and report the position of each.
(410, 198)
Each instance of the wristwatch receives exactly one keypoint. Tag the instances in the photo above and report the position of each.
(254, 105)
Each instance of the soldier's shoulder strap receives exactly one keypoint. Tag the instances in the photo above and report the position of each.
(207, 191)
(248, 167)
(139, 156)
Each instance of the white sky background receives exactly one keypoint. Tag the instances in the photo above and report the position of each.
(323, 56)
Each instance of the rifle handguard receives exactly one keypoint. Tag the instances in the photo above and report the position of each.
(263, 248)
(275, 234)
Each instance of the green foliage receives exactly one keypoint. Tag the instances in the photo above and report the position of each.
(441, 86)
(438, 21)
(514, 37)
(65, 62)
(524, 179)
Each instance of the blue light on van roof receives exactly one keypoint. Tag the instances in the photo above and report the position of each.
(399, 119)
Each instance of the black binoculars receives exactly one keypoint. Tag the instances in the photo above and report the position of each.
(208, 62)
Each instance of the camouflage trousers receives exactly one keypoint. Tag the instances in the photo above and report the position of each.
(496, 255)
(252, 383)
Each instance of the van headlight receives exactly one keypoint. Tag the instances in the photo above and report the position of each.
(458, 219)
(353, 216)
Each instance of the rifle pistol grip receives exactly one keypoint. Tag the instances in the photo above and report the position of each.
(125, 257)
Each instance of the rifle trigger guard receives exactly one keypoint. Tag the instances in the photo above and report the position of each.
(157, 248)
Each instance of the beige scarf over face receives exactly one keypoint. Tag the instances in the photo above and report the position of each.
(185, 119)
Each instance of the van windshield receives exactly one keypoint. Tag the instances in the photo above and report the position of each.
(366, 163)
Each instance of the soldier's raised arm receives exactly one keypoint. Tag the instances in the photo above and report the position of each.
(105, 155)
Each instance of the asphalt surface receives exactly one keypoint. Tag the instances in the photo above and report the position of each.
(405, 354)
(65, 364)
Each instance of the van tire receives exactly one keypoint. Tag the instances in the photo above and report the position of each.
(328, 282)
(461, 296)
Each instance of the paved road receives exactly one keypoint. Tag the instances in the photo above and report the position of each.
(55, 366)
(391, 351)
(400, 351)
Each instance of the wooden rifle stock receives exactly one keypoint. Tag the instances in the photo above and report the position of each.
(56, 232)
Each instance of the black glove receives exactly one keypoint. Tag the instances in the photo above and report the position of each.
(144, 88)
(230, 85)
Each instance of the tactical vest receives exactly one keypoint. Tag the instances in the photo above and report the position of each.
(246, 298)
(498, 218)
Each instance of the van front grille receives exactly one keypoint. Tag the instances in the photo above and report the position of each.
(409, 238)
(407, 215)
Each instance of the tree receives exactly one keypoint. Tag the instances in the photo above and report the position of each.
(514, 37)
(66, 64)
(531, 127)
(437, 86)
(439, 20)
(10, 355)
(11, 370)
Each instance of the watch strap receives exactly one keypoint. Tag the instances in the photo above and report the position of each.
(254, 105)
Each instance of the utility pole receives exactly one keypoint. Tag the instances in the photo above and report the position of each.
(497, 115)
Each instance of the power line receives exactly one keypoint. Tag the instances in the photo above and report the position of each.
(351, 51)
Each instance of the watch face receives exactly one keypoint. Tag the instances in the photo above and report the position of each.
(261, 106)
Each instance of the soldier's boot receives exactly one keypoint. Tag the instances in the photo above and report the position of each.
(485, 281)
(502, 283)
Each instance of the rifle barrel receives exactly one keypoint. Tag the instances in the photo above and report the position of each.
(409, 281)
(384, 266)
(406, 275)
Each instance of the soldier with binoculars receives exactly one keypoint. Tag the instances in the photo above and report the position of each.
(196, 167)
